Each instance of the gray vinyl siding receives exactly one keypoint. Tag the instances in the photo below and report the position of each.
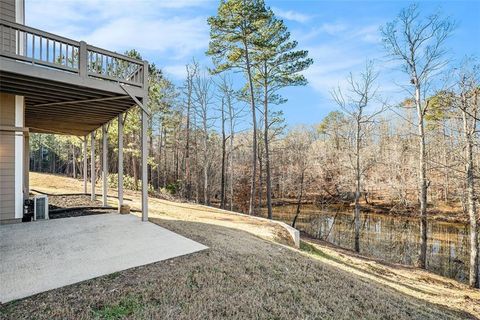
(7, 118)
(7, 109)
(7, 12)
(7, 9)
(7, 157)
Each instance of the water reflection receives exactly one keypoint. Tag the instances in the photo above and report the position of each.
(394, 239)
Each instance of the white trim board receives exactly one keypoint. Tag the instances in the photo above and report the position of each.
(20, 11)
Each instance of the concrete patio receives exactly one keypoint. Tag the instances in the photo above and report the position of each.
(44, 255)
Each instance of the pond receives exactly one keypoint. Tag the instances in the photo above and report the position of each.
(393, 239)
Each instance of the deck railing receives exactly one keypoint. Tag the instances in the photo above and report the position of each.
(38, 47)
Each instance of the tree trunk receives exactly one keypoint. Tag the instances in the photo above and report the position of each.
(224, 153)
(472, 213)
(41, 155)
(176, 157)
(251, 207)
(260, 178)
(445, 164)
(423, 185)
(471, 203)
(150, 151)
(74, 167)
(267, 151)
(195, 154)
(135, 172)
(299, 199)
(205, 165)
(160, 158)
(358, 186)
(230, 111)
(164, 157)
(188, 189)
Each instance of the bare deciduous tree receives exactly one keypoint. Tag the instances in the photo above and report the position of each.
(467, 103)
(202, 88)
(192, 70)
(355, 101)
(418, 42)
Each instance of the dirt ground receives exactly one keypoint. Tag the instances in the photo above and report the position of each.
(57, 202)
(242, 276)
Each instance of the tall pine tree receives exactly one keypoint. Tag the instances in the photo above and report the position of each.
(233, 32)
(276, 65)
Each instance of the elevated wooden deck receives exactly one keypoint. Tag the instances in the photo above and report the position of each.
(70, 87)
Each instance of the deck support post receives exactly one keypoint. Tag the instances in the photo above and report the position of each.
(143, 106)
(26, 166)
(92, 165)
(85, 164)
(144, 168)
(120, 161)
(82, 61)
(104, 165)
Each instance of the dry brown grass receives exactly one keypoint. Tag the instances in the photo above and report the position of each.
(242, 277)
(239, 277)
(55, 184)
(404, 279)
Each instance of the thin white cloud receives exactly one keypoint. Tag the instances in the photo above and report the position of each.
(292, 15)
(340, 48)
(338, 30)
(177, 36)
(333, 28)
(169, 28)
(369, 33)
(177, 71)
(331, 68)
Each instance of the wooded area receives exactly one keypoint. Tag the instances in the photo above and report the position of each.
(221, 139)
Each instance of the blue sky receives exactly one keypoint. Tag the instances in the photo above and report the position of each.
(340, 36)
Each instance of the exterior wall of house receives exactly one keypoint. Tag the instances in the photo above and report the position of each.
(12, 11)
(13, 135)
(8, 10)
(11, 157)
(7, 158)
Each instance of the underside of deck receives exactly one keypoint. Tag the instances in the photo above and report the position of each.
(58, 102)
(70, 87)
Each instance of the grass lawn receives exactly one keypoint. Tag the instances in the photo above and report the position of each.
(246, 275)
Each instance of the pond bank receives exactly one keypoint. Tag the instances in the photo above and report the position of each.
(395, 239)
(404, 279)
(451, 213)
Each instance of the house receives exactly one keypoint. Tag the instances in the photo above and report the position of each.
(52, 84)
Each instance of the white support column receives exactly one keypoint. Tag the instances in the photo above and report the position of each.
(92, 165)
(104, 165)
(120, 161)
(85, 165)
(19, 156)
(144, 167)
(26, 166)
